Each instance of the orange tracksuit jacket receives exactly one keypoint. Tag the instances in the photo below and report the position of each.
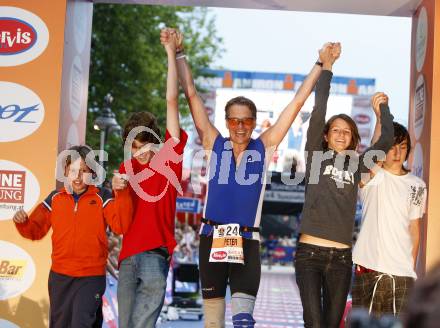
(79, 239)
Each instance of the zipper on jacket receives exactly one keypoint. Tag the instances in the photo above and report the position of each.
(75, 221)
(72, 243)
(75, 208)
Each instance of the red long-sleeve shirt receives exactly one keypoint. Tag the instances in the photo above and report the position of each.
(154, 199)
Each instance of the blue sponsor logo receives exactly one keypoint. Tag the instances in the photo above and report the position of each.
(16, 113)
(188, 205)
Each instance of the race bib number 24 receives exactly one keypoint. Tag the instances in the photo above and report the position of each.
(227, 244)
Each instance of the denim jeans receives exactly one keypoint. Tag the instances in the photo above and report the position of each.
(323, 275)
(141, 289)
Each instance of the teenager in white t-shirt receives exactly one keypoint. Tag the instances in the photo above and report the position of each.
(386, 251)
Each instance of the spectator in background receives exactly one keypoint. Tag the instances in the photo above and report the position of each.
(188, 239)
(271, 244)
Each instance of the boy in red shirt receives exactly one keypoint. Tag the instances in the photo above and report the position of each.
(79, 216)
(154, 177)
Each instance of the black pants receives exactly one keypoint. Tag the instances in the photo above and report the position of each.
(75, 302)
(243, 278)
(323, 275)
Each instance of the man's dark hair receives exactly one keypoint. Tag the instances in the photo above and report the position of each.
(355, 138)
(400, 135)
(140, 119)
(241, 101)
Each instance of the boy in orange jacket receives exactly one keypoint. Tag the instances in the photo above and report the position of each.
(79, 215)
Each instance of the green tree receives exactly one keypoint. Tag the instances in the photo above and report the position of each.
(128, 61)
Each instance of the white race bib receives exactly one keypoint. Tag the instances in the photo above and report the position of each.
(227, 244)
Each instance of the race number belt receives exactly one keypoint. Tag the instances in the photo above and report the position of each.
(227, 244)
(242, 228)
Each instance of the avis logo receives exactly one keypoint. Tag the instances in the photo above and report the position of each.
(23, 36)
(219, 255)
(12, 269)
(16, 36)
(12, 186)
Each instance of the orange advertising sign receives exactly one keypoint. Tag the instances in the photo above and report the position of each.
(44, 56)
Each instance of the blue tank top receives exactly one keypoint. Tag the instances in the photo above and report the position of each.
(235, 193)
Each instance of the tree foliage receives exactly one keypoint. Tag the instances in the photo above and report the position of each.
(128, 61)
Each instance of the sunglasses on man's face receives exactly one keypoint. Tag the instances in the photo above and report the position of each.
(234, 122)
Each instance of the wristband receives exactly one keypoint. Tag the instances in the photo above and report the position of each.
(319, 63)
(182, 55)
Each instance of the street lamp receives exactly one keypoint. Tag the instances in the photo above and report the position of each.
(106, 123)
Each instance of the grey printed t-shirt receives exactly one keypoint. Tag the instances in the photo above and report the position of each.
(332, 179)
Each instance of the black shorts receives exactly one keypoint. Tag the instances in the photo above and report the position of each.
(75, 301)
(242, 278)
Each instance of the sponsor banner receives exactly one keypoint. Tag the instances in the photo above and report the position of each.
(75, 76)
(280, 81)
(23, 36)
(422, 122)
(417, 163)
(33, 43)
(17, 270)
(421, 39)
(72, 136)
(284, 196)
(81, 26)
(364, 117)
(76, 90)
(21, 111)
(188, 205)
(419, 106)
(285, 193)
(19, 189)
